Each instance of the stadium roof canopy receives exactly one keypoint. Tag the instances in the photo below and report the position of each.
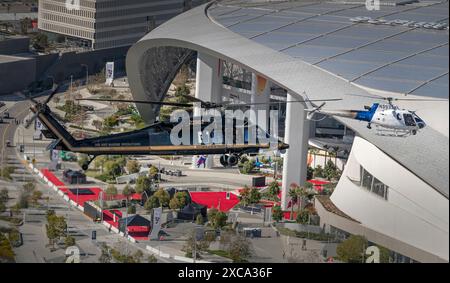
(402, 47)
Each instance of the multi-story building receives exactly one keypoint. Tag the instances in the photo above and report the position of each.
(108, 23)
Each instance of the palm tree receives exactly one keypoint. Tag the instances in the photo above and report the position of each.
(294, 198)
(314, 152)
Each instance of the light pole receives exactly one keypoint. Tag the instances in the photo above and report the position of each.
(87, 72)
(71, 88)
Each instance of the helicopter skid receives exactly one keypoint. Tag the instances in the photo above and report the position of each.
(382, 131)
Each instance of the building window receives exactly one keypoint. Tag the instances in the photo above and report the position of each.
(372, 184)
(366, 179)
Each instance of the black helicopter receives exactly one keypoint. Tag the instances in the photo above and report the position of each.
(151, 140)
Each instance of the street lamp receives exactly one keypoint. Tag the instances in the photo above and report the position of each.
(87, 72)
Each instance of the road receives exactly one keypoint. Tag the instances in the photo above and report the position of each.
(7, 129)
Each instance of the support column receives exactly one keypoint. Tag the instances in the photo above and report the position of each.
(261, 94)
(297, 131)
(208, 88)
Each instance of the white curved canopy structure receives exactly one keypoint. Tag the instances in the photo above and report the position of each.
(153, 62)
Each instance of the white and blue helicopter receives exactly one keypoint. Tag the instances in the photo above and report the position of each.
(388, 118)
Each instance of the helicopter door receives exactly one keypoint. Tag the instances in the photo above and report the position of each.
(409, 120)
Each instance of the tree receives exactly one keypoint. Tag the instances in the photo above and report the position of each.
(216, 218)
(128, 191)
(248, 167)
(352, 250)
(153, 171)
(25, 24)
(237, 247)
(99, 162)
(163, 197)
(69, 241)
(111, 122)
(6, 251)
(4, 197)
(255, 196)
(36, 196)
(303, 216)
(152, 259)
(151, 203)
(193, 244)
(105, 256)
(2, 207)
(318, 172)
(143, 183)
(40, 41)
(385, 255)
(131, 209)
(22, 201)
(182, 90)
(133, 166)
(294, 198)
(244, 195)
(111, 190)
(56, 227)
(182, 199)
(199, 220)
(277, 213)
(310, 173)
(112, 168)
(331, 171)
(29, 187)
(274, 189)
(174, 204)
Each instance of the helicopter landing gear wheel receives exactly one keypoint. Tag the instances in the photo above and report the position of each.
(369, 126)
(229, 160)
(223, 160)
(233, 160)
(86, 164)
(414, 132)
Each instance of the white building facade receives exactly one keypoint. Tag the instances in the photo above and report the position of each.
(108, 23)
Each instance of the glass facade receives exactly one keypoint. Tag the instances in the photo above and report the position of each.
(370, 183)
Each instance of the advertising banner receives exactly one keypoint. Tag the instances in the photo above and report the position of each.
(109, 73)
(156, 225)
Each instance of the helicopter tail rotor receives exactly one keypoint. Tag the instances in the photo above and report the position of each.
(314, 111)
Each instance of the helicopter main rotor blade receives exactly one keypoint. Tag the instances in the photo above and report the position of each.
(29, 122)
(395, 98)
(194, 99)
(138, 102)
(280, 102)
(418, 99)
(368, 96)
(28, 97)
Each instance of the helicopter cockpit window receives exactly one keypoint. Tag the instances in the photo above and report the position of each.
(409, 120)
(419, 121)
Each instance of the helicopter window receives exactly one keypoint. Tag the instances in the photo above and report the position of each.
(409, 120)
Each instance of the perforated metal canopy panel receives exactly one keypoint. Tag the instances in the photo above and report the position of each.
(404, 58)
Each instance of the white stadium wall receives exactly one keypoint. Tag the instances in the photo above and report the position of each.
(414, 213)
